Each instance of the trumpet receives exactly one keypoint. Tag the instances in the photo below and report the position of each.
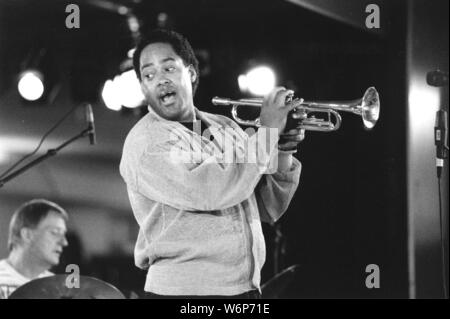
(368, 107)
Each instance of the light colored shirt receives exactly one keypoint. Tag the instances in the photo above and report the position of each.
(11, 279)
(200, 221)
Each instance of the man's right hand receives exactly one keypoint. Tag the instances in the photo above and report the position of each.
(274, 109)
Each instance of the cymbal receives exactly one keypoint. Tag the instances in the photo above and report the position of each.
(57, 287)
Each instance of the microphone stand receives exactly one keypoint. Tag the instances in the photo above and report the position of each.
(50, 152)
(438, 78)
(279, 250)
(277, 286)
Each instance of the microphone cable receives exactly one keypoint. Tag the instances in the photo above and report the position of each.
(27, 156)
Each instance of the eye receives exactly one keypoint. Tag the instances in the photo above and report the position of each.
(58, 233)
(149, 76)
(55, 233)
(170, 69)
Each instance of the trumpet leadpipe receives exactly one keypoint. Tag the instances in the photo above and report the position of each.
(257, 102)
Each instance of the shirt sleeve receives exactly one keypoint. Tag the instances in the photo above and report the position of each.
(206, 184)
(274, 192)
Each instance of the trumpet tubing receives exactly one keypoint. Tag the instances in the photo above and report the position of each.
(368, 107)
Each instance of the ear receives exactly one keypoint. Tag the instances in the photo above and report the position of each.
(192, 73)
(26, 234)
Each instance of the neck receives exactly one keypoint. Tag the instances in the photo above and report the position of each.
(26, 264)
(189, 116)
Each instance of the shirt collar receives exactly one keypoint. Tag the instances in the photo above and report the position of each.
(199, 115)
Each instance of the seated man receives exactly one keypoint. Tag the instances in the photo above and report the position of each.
(37, 236)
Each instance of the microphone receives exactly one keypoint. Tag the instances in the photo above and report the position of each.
(440, 140)
(91, 125)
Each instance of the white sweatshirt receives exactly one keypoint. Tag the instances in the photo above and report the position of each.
(200, 221)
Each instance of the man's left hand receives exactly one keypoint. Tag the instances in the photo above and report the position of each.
(290, 140)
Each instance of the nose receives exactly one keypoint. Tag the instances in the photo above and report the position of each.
(163, 80)
(63, 241)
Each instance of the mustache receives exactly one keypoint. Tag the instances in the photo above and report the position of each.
(165, 91)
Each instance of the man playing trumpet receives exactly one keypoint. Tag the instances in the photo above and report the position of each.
(200, 222)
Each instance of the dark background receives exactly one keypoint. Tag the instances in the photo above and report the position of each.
(350, 209)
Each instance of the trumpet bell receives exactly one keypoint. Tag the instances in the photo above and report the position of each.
(370, 108)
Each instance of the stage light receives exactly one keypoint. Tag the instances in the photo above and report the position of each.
(133, 24)
(131, 94)
(110, 96)
(130, 53)
(122, 10)
(123, 91)
(243, 83)
(258, 81)
(423, 101)
(31, 85)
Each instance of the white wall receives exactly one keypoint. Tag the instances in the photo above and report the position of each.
(427, 51)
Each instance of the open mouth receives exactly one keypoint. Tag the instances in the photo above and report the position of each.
(167, 97)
